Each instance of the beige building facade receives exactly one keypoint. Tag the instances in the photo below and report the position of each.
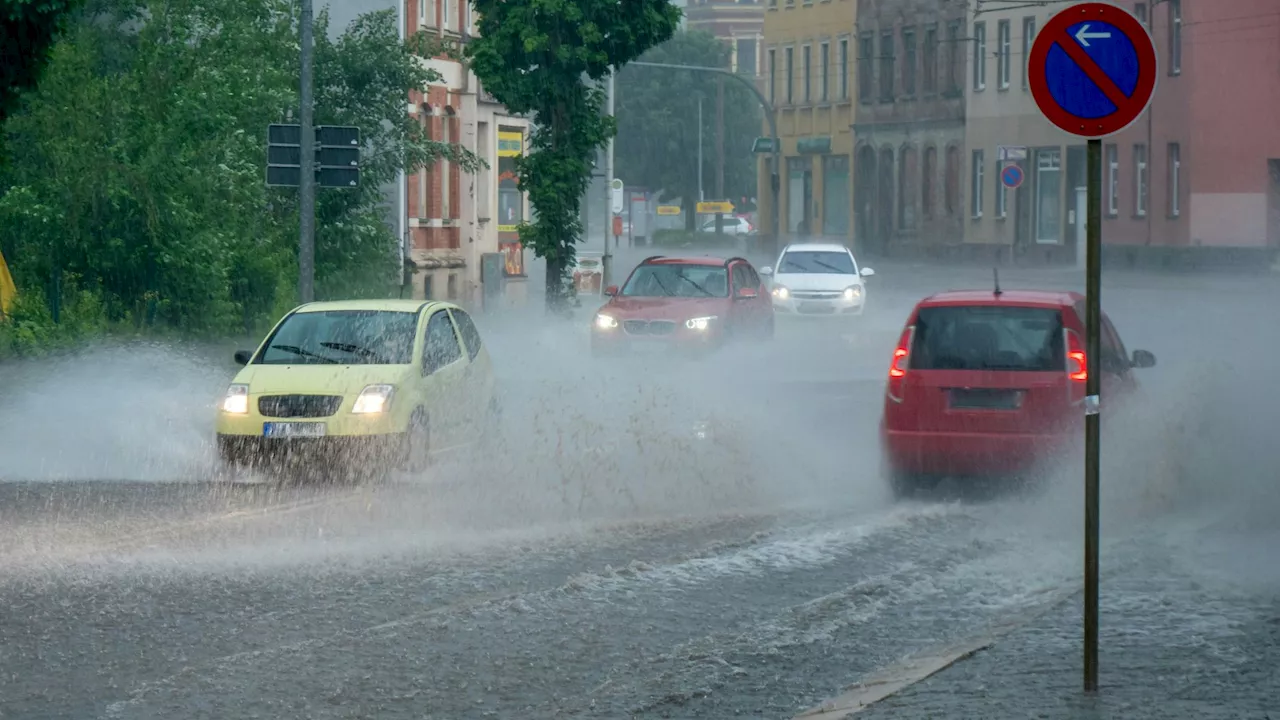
(808, 78)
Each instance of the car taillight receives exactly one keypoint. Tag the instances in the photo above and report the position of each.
(1077, 367)
(898, 366)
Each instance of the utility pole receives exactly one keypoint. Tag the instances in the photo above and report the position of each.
(701, 195)
(719, 151)
(607, 260)
(1092, 427)
(307, 181)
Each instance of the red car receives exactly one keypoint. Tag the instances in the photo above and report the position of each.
(688, 303)
(992, 383)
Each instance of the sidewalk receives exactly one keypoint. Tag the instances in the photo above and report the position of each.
(1173, 644)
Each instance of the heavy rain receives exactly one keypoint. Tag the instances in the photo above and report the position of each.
(804, 450)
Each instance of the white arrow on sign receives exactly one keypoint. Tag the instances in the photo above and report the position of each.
(1083, 36)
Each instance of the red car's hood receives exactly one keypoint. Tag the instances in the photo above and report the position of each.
(663, 308)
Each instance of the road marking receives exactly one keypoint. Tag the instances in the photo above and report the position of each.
(896, 678)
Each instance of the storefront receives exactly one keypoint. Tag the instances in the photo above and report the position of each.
(510, 200)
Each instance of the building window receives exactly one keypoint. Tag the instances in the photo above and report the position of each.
(1113, 180)
(886, 67)
(908, 186)
(773, 76)
(1140, 180)
(929, 176)
(445, 21)
(976, 208)
(844, 69)
(1175, 179)
(791, 74)
(806, 59)
(1140, 12)
(866, 78)
(952, 180)
(930, 61)
(422, 12)
(980, 56)
(1048, 191)
(909, 62)
(1002, 194)
(1004, 66)
(953, 57)
(1175, 37)
(443, 167)
(424, 176)
(1028, 36)
(824, 57)
(745, 60)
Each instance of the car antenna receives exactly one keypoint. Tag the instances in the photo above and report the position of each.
(995, 272)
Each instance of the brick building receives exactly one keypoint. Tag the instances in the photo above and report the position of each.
(452, 218)
(738, 22)
(909, 125)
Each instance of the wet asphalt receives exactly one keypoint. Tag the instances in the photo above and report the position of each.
(603, 564)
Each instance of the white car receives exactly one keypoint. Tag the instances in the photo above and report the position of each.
(732, 225)
(818, 279)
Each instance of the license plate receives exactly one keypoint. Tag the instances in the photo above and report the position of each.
(293, 429)
(984, 399)
(816, 307)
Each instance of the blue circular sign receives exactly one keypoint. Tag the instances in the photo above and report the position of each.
(1011, 176)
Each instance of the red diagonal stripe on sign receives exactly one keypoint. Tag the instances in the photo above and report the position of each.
(1094, 72)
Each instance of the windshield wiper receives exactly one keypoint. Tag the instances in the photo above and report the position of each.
(304, 353)
(701, 289)
(665, 289)
(353, 349)
(830, 267)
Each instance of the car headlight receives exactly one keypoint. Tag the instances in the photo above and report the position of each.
(702, 430)
(699, 323)
(853, 292)
(236, 401)
(781, 292)
(606, 322)
(373, 399)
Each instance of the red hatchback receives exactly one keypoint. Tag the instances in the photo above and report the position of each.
(992, 383)
(688, 303)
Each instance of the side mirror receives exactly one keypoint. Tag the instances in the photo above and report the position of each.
(611, 291)
(1143, 359)
(243, 357)
(766, 271)
(866, 272)
(747, 293)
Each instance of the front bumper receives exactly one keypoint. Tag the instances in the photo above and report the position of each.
(348, 451)
(681, 339)
(968, 454)
(819, 304)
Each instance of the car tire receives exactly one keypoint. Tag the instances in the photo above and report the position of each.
(417, 451)
(907, 485)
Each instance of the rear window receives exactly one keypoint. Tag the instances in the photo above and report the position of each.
(989, 338)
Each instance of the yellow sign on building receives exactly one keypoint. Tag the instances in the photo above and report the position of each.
(668, 209)
(510, 144)
(708, 208)
(8, 291)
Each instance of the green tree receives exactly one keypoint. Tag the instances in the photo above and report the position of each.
(545, 57)
(28, 29)
(657, 144)
(138, 161)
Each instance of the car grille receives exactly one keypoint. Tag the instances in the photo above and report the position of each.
(815, 295)
(649, 327)
(298, 406)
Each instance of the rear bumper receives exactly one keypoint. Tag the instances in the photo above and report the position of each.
(255, 450)
(939, 453)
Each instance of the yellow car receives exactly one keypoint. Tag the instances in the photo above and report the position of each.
(368, 381)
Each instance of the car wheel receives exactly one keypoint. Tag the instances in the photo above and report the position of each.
(417, 454)
(906, 485)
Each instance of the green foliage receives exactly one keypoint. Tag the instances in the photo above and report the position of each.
(138, 163)
(657, 109)
(540, 57)
(28, 29)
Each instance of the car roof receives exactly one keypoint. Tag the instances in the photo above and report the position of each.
(1024, 298)
(703, 260)
(392, 305)
(815, 247)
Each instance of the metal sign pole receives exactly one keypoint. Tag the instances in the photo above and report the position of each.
(1092, 420)
(307, 177)
(606, 263)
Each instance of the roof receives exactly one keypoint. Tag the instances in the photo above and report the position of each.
(816, 247)
(393, 305)
(703, 260)
(1036, 298)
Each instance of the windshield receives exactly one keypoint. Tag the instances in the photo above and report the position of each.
(817, 262)
(677, 281)
(988, 338)
(347, 337)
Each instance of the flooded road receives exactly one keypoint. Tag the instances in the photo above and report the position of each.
(603, 560)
